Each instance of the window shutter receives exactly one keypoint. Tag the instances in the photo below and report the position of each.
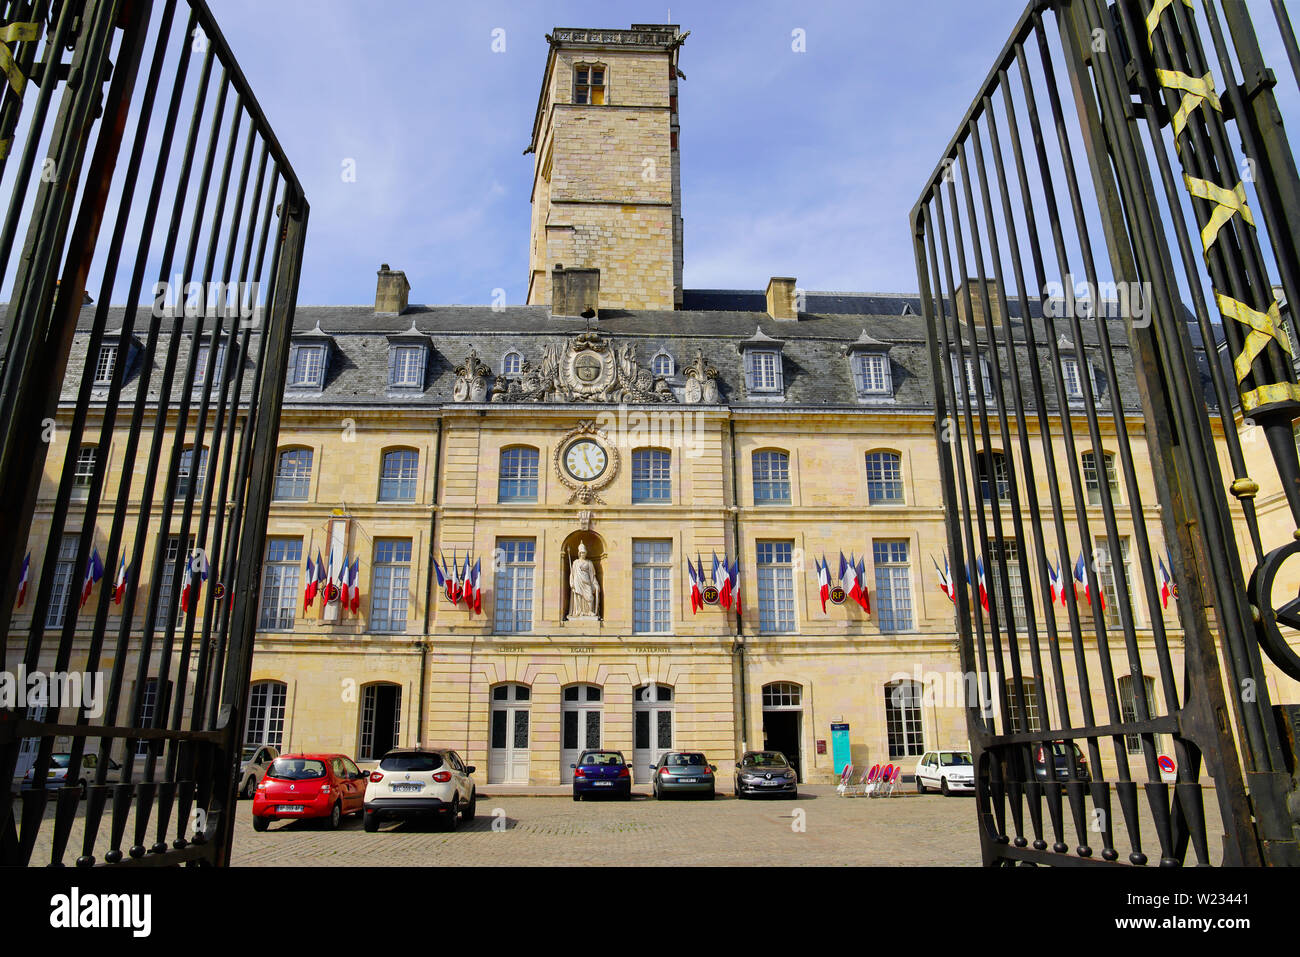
(749, 369)
(392, 364)
(424, 365)
(778, 372)
(293, 364)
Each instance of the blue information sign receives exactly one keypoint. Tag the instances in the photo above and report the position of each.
(840, 746)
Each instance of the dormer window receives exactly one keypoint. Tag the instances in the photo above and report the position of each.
(1071, 373)
(871, 374)
(662, 364)
(201, 364)
(763, 371)
(407, 367)
(512, 364)
(589, 84)
(308, 369)
(105, 364)
(983, 377)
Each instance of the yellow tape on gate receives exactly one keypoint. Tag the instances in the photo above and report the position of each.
(1227, 202)
(1263, 328)
(1196, 91)
(11, 33)
(1157, 8)
(1266, 394)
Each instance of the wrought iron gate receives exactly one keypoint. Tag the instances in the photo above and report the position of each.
(180, 385)
(1082, 406)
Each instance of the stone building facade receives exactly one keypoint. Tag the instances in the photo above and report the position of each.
(656, 428)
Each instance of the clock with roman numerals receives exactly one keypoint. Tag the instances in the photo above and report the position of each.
(585, 460)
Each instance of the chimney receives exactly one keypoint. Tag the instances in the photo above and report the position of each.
(780, 298)
(575, 292)
(977, 301)
(392, 291)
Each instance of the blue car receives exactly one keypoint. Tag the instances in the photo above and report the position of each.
(602, 772)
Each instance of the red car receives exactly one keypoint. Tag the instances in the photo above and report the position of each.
(309, 786)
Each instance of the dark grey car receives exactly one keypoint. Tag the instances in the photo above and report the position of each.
(683, 772)
(765, 772)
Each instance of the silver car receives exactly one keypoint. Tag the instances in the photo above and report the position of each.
(255, 760)
(57, 775)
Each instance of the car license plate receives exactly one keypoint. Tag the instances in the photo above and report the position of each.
(290, 809)
(687, 780)
(603, 784)
(772, 784)
(407, 787)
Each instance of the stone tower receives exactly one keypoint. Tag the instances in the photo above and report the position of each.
(606, 177)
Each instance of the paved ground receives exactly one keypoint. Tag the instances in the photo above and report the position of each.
(819, 828)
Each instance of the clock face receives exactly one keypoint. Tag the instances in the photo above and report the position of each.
(585, 460)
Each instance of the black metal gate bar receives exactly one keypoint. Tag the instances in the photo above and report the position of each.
(201, 759)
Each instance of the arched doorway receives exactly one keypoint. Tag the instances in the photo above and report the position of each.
(509, 733)
(381, 720)
(783, 721)
(582, 724)
(652, 735)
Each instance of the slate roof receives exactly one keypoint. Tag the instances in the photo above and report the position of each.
(817, 371)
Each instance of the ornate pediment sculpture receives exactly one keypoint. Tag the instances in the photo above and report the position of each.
(701, 382)
(471, 380)
(587, 368)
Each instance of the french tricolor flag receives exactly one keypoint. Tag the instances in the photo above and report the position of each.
(196, 573)
(823, 581)
(734, 574)
(309, 593)
(119, 586)
(354, 573)
(94, 572)
(344, 574)
(1165, 588)
(22, 581)
(476, 584)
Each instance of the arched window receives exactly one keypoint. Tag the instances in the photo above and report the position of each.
(293, 475)
(265, 723)
(782, 695)
(397, 475)
(771, 478)
(517, 477)
(903, 718)
(1092, 478)
(884, 478)
(580, 722)
(185, 470)
(662, 364)
(1000, 484)
(512, 364)
(651, 476)
(1130, 712)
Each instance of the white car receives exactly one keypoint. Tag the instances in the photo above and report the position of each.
(415, 782)
(57, 775)
(254, 762)
(949, 771)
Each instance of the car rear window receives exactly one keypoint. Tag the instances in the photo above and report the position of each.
(602, 757)
(296, 769)
(410, 762)
(685, 760)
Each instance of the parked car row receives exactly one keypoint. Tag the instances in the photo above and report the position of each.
(679, 773)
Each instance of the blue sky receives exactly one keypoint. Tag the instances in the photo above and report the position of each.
(802, 164)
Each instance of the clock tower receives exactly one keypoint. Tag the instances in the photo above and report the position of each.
(606, 178)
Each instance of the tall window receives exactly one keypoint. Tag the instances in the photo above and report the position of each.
(1073, 380)
(884, 478)
(775, 587)
(265, 715)
(517, 477)
(407, 367)
(771, 478)
(293, 475)
(185, 471)
(589, 84)
(1109, 580)
(1092, 480)
(65, 579)
(85, 469)
(170, 557)
(1033, 722)
(280, 583)
(763, 371)
(308, 366)
(1129, 711)
(651, 478)
(1000, 484)
(651, 570)
(201, 364)
(871, 374)
(513, 585)
(390, 586)
(1008, 552)
(104, 365)
(153, 706)
(893, 585)
(903, 719)
(397, 475)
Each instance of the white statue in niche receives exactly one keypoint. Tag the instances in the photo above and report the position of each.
(584, 589)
